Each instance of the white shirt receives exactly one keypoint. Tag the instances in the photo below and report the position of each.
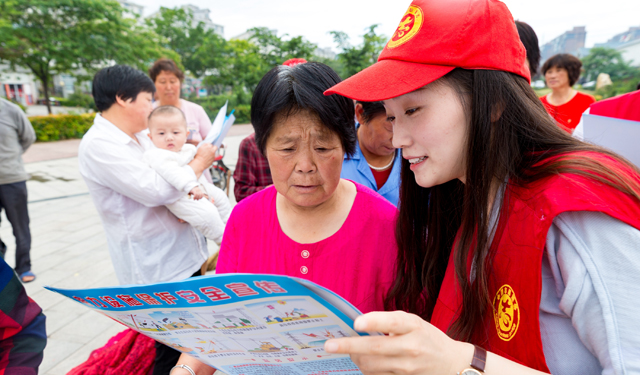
(146, 241)
(590, 282)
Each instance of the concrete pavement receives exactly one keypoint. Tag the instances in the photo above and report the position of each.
(69, 249)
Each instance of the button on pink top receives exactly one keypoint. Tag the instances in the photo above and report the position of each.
(357, 262)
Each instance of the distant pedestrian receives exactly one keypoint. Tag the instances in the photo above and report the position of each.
(376, 163)
(16, 135)
(564, 103)
(168, 78)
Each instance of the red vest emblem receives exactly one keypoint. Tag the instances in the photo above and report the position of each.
(506, 312)
(512, 327)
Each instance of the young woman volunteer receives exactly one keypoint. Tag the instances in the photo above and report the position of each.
(512, 236)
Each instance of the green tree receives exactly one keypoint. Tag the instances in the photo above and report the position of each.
(624, 77)
(605, 60)
(242, 63)
(357, 58)
(277, 49)
(243, 69)
(200, 49)
(60, 36)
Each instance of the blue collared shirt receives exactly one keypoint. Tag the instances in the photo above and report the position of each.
(356, 169)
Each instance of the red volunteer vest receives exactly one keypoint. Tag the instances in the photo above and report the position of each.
(512, 328)
(626, 107)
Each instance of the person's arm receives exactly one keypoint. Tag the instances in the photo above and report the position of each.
(112, 165)
(26, 134)
(596, 268)
(219, 198)
(168, 165)
(22, 324)
(198, 367)
(413, 347)
(205, 156)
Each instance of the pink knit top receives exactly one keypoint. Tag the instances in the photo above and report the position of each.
(357, 262)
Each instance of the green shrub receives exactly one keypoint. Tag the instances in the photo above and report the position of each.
(57, 127)
(78, 99)
(242, 113)
(241, 103)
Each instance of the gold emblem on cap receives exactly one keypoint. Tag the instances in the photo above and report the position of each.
(506, 312)
(409, 26)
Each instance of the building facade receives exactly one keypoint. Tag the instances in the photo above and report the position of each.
(628, 43)
(203, 15)
(571, 42)
(631, 52)
(621, 39)
(132, 9)
(200, 15)
(18, 84)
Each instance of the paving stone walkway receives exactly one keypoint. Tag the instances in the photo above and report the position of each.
(69, 250)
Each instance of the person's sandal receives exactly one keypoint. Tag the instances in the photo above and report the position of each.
(27, 277)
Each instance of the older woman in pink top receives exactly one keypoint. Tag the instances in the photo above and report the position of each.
(311, 223)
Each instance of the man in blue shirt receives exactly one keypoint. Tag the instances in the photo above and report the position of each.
(375, 164)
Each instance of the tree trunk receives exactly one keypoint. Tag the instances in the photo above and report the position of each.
(45, 86)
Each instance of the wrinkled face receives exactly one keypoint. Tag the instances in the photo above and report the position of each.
(305, 159)
(138, 110)
(375, 135)
(167, 87)
(168, 132)
(557, 78)
(430, 126)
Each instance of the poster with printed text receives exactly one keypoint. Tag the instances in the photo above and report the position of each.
(240, 324)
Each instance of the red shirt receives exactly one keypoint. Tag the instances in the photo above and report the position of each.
(252, 172)
(381, 176)
(626, 107)
(568, 115)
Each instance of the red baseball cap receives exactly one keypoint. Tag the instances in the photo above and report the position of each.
(294, 62)
(433, 38)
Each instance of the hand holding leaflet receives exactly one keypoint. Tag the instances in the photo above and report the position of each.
(216, 126)
(225, 129)
(220, 127)
(236, 323)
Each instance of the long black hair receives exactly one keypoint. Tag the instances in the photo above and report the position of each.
(510, 136)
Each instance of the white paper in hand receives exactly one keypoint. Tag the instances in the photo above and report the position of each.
(217, 125)
(620, 136)
(225, 129)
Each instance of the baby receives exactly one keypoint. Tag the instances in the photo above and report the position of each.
(168, 132)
